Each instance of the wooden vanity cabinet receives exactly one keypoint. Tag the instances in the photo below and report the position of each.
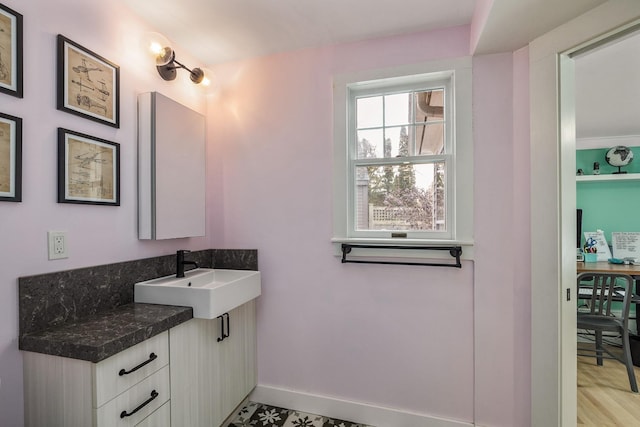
(64, 392)
(195, 374)
(212, 374)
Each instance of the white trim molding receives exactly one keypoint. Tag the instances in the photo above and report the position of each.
(607, 142)
(347, 410)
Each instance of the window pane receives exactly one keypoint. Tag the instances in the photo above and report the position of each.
(397, 142)
(370, 144)
(400, 197)
(392, 142)
(429, 105)
(369, 112)
(429, 138)
(397, 109)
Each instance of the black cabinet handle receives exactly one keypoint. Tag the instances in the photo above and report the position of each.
(154, 394)
(228, 324)
(151, 358)
(223, 335)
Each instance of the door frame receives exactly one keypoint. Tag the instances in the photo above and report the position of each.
(553, 219)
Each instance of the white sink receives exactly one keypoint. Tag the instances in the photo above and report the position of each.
(211, 292)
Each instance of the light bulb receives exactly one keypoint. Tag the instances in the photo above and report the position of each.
(209, 83)
(165, 56)
(197, 75)
(158, 47)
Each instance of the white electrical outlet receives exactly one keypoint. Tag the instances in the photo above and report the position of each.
(57, 244)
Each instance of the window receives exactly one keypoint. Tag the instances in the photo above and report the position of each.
(400, 152)
(403, 155)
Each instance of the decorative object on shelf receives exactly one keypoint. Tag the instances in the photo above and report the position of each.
(10, 52)
(10, 158)
(580, 172)
(88, 84)
(590, 250)
(596, 168)
(619, 156)
(88, 169)
(167, 64)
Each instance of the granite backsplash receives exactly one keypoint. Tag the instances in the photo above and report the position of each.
(53, 299)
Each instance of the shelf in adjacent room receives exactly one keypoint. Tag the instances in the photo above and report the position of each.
(609, 177)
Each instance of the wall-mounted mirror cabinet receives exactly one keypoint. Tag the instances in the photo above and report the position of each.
(171, 169)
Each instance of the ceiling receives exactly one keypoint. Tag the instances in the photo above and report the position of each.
(608, 90)
(512, 24)
(218, 31)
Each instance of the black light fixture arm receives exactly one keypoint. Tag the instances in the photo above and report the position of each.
(168, 71)
(180, 65)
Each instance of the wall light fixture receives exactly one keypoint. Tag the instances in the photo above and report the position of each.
(167, 64)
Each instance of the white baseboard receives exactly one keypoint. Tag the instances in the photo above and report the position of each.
(347, 410)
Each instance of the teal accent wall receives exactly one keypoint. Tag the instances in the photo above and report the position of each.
(607, 205)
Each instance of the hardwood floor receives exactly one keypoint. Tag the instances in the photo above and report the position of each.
(604, 395)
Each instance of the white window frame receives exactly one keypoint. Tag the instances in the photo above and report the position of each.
(459, 173)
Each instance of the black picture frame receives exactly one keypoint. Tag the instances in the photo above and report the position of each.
(88, 169)
(11, 67)
(10, 158)
(88, 85)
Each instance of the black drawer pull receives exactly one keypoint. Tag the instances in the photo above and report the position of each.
(228, 323)
(223, 335)
(154, 394)
(151, 358)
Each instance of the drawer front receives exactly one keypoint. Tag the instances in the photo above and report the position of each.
(147, 356)
(137, 403)
(160, 418)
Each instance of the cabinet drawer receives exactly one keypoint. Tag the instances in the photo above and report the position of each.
(135, 364)
(139, 401)
(160, 418)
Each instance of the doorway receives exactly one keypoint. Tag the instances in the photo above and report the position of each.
(606, 104)
(553, 212)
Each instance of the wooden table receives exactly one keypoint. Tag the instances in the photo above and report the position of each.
(606, 267)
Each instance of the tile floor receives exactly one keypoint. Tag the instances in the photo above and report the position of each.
(260, 415)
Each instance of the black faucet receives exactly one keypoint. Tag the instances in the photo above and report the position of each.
(180, 262)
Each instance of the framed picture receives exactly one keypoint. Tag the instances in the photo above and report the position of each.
(10, 52)
(88, 169)
(10, 158)
(88, 84)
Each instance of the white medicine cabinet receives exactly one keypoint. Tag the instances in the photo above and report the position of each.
(171, 169)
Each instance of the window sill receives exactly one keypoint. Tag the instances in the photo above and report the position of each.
(407, 255)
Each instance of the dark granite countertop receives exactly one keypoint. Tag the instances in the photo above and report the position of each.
(99, 336)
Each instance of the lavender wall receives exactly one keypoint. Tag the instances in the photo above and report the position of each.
(96, 234)
(394, 336)
(502, 284)
(521, 239)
